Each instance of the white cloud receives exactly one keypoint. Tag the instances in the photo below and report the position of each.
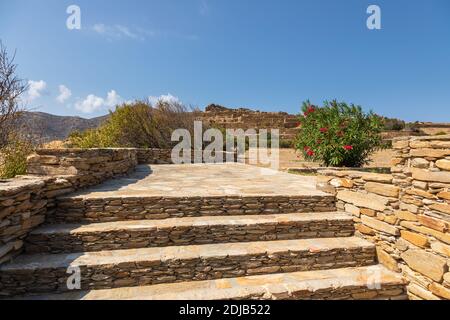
(164, 98)
(64, 94)
(119, 32)
(35, 89)
(94, 103)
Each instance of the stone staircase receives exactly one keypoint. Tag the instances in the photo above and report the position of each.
(178, 250)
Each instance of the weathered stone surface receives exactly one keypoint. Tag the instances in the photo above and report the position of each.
(421, 292)
(444, 195)
(428, 152)
(365, 229)
(424, 175)
(440, 291)
(420, 163)
(443, 164)
(415, 238)
(406, 215)
(442, 207)
(368, 212)
(380, 225)
(387, 260)
(382, 189)
(420, 193)
(441, 248)
(352, 209)
(426, 263)
(370, 201)
(377, 177)
(434, 223)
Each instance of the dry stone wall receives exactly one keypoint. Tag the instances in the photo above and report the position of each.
(27, 200)
(406, 213)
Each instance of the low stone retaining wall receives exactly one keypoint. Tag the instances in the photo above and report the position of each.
(406, 213)
(26, 201)
(73, 209)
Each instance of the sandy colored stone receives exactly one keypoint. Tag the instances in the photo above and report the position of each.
(380, 225)
(400, 144)
(440, 291)
(441, 207)
(441, 248)
(352, 209)
(406, 215)
(421, 193)
(368, 212)
(426, 263)
(445, 237)
(342, 182)
(433, 223)
(422, 293)
(420, 163)
(377, 177)
(365, 229)
(443, 164)
(382, 189)
(387, 260)
(444, 195)
(370, 201)
(424, 175)
(415, 238)
(431, 153)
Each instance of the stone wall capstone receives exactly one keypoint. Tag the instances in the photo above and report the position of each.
(405, 213)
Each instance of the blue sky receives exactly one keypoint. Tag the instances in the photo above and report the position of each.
(264, 54)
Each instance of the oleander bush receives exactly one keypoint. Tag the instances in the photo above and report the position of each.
(338, 134)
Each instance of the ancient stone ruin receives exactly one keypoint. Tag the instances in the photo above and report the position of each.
(135, 230)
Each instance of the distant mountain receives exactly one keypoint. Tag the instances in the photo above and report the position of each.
(45, 127)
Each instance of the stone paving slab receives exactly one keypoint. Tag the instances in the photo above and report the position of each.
(343, 283)
(204, 180)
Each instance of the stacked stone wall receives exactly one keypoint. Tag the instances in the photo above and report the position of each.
(406, 213)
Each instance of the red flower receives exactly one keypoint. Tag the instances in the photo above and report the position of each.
(324, 130)
(348, 148)
(306, 148)
(309, 110)
(310, 153)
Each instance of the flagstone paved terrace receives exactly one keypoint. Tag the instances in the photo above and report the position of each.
(204, 180)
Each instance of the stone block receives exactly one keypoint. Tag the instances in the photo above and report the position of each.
(443, 164)
(430, 176)
(370, 201)
(428, 264)
(386, 190)
(380, 225)
(415, 238)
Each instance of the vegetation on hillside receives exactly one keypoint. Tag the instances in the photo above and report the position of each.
(14, 147)
(137, 124)
(338, 134)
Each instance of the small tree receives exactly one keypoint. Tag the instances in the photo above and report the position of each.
(11, 88)
(338, 134)
(14, 146)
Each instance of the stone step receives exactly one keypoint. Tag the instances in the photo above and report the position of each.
(187, 231)
(100, 208)
(372, 282)
(137, 267)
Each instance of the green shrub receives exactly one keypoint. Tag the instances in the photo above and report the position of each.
(138, 125)
(13, 158)
(338, 134)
